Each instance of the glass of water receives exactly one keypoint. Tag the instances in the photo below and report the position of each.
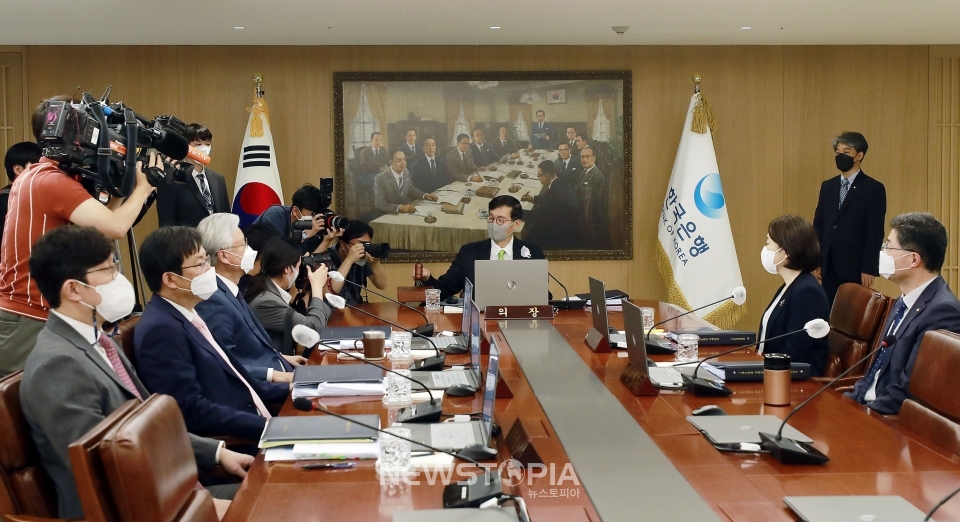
(397, 388)
(647, 315)
(400, 350)
(394, 452)
(688, 349)
(433, 299)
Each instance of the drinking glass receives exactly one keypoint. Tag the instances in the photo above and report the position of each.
(394, 452)
(687, 350)
(433, 299)
(401, 346)
(397, 388)
(647, 315)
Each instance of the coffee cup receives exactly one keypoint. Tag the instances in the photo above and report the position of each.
(373, 342)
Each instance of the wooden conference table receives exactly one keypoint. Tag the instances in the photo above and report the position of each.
(869, 454)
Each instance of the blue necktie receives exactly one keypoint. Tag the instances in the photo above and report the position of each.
(898, 312)
(844, 188)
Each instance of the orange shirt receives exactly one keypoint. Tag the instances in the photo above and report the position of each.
(42, 198)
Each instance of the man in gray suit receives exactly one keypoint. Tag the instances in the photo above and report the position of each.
(460, 161)
(77, 375)
(393, 188)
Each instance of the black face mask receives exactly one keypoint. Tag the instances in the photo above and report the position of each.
(844, 162)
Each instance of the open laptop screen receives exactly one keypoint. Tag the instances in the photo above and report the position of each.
(474, 337)
(468, 306)
(633, 327)
(490, 389)
(598, 307)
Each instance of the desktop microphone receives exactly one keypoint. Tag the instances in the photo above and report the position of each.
(816, 328)
(942, 502)
(566, 304)
(459, 495)
(306, 336)
(739, 296)
(434, 363)
(426, 329)
(789, 451)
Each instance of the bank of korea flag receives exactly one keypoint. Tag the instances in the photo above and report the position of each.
(258, 179)
(695, 251)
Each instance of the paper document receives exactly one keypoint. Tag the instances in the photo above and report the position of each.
(348, 345)
(341, 450)
(452, 434)
(334, 389)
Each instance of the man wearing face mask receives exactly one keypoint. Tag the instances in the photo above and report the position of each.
(503, 219)
(179, 356)
(226, 313)
(912, 258)
(306, 204)
(350, 258)
(204, 192)
(849, 218)
(77, 375)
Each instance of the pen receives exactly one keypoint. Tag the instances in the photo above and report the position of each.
(338, 465)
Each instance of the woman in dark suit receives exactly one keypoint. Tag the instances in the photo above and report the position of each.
(270, 299)
(793, 252)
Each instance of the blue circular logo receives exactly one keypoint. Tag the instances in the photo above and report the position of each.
(708, 196)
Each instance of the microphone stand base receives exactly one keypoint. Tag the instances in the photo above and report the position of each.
(705, 388)
(425, 330)
(430, 364)
(467, 495)
(659, 347)
(789, 451)
(478, 452)
(455, 349)
(561, 304)
(423, 412)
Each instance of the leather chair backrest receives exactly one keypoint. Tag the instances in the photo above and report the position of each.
(935, 412)
(125, 335)
(857, 316)
(28, 489)
(92, 485)
(149, 462)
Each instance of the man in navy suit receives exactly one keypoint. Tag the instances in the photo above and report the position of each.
(483, 155)
(409, 146)
(226, 313)
(540, 133)
(553, 222)
(568, 166)
(176, 353)
(202, 193)
(504, 218)
(912, 258)
(849, 218)
(428, 170)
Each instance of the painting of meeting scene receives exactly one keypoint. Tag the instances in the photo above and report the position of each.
(420, 156)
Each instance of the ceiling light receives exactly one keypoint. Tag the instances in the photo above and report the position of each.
(238, 27)
(494, 27)
(746, 28)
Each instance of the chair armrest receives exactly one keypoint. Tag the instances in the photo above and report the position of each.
(28, 518)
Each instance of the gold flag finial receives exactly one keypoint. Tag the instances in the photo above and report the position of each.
(702, 115)
(696, 83)
(259, 108)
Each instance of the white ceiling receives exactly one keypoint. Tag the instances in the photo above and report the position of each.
(467, 22)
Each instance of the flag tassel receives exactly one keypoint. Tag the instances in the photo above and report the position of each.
(702, 117)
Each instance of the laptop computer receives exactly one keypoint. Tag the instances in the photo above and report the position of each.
(598, 311)
(454, 436)
(737, 429)
(511, 283)
(887, 508)
(469, 377)
(668, 378)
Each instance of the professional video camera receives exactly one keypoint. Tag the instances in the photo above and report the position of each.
(330, 219)
(100, 143)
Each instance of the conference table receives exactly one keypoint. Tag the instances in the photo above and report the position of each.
(612, 455)
(451, 231)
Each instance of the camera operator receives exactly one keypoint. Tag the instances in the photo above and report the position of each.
(350, 258)
(16, 160)
(45, 198)
(307, 202)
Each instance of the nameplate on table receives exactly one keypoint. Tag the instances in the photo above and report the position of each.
(518, 312)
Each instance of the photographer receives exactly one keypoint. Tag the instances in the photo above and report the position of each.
(270, 299)
(44, 198)
(350, 258)
(308, 201)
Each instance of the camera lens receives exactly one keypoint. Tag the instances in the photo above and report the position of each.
(377, 250)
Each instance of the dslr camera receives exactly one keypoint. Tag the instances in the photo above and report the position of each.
(330, 219)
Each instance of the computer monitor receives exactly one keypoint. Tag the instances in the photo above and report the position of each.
(490, 390)
(598, 307)
(468, 306)
(474, 333)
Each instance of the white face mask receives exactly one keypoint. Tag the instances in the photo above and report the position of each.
(887, 265)
(204, 149)
(766, 259)
(116, 299)
(204, 285)
(246, 260)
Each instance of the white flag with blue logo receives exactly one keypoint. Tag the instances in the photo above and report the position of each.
(695, 251)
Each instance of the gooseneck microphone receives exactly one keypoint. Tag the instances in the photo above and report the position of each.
(461, 494)
(306, 336)
(789, 451)
(942, 502)
(425, 330)
(434, 363)
(566, 304)
(739, 296)
(816, 328)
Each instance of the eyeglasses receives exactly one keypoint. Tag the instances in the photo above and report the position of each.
(500, 220)
(204, 263)
(884, 247)
(114, 269)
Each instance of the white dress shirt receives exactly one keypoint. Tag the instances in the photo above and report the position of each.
(495, 251)
(766, 317)
(88, 333)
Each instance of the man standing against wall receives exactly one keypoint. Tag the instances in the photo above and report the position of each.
(849, 218)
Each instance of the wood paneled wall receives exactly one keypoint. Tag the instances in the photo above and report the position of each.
(777, 107)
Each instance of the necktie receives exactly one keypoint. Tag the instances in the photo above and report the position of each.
(202, 327)
(463, 159)
(433, 166)
(111, 350)
(400, 184)
(205, 192)
(844, 187)
(503, 144)
(500, 254)
(898, 312)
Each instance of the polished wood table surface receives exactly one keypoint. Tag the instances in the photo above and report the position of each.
(870, 455)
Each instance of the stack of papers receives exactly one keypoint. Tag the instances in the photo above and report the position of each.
(334, 450)
(415, 354)
(347, 345)
(336, 389)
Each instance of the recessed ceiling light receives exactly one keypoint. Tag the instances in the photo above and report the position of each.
(494, 27)
(746, 28)
(238, 27)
